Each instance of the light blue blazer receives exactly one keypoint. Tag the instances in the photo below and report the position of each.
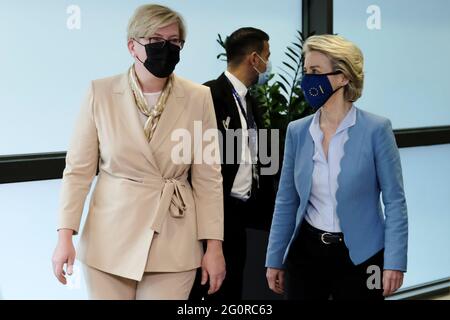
(370, 166)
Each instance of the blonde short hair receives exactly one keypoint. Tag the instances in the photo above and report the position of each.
(147, 19)
(345, 56)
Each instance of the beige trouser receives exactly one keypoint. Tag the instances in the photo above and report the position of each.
(153, 286)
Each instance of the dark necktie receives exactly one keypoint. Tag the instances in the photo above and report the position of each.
(253, 138)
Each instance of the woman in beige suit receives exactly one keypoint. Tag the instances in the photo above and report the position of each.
(146, 223)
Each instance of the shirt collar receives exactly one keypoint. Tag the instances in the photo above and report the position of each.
(348, 121)
(240, 88)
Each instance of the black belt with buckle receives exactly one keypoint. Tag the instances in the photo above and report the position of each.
(323, 236)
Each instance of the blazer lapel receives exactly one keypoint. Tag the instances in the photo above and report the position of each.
(349, 162)
(230, 104)
(306, 166)
(124, 99)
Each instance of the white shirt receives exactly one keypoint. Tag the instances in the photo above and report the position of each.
(242, 184)
(152, 99)
(321, 209)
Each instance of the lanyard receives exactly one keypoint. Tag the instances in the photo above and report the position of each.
(244, 112)
(252, 136)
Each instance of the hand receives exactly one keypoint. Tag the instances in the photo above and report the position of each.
(275, 279)
(213, 266)
(64, 254)
(392, 281)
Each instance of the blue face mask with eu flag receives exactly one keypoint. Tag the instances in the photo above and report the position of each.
(317, 88)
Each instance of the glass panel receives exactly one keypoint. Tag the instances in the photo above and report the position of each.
(406, 46)
(28, 218)
(427, 178)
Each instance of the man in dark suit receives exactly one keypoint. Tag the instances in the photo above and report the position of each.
(248, 195)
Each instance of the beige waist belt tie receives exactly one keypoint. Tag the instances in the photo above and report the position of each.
(171, 200)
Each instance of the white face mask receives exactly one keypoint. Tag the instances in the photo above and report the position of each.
(263, 77)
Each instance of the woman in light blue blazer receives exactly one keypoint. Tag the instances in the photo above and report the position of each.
(330, 237)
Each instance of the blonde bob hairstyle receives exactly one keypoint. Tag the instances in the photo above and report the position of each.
(147, 19)
(345, 56)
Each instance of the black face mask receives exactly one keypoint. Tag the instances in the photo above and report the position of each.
(161, 61)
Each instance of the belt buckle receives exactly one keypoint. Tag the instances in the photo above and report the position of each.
(322, 237)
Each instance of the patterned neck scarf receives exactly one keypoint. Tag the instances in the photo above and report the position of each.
(155, 113)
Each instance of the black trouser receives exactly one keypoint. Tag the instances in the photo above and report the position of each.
(235, 252)
(319, 271)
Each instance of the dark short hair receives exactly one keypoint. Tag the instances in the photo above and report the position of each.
(243, 42)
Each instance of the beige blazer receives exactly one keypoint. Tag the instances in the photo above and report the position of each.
(139, 188)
